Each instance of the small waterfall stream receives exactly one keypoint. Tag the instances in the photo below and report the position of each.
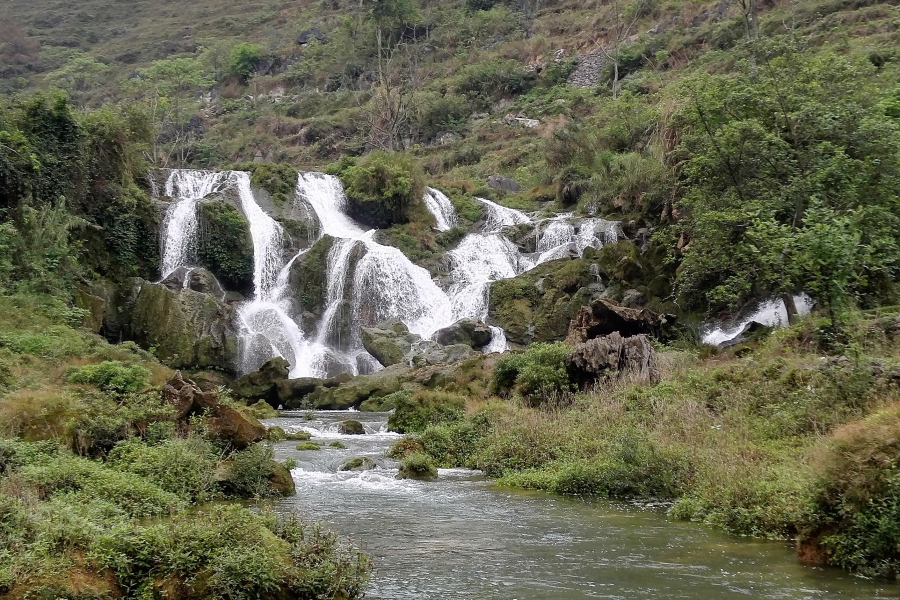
(372, 281)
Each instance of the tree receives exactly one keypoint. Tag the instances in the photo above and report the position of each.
(244, 59)
(790, 180)
(626, 14)
(79, 77)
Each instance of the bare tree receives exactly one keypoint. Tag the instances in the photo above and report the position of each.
(391, 108)
(623, 26)
(750, 14)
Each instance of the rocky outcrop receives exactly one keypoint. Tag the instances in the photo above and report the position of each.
(222, 421)
(351, 427)
(225, 245)
(261, 384)
(358, 463)
(537, 305)
(603, 317)
(281, 482)
(474, 334)
(194, 278)
(503, 183)
(611, 356)
(589, 70)
(391, 343)
(187, 329)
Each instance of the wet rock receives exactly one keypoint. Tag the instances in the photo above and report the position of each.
(388, 342)
(538, 305)
(209, 381)
(604, 317)
(417, 466)
(261, 384)
(228, 478)
(474, 334)
(351, 427)
(222, 421)
(292, 392)
(358, 463)
(194, 278)
(632, 299)
(281, 480)
(187, 328)
(611, 356)
(501, 182)
(95, 307)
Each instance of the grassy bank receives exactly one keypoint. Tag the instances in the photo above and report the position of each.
(787, 437)
(105, 492)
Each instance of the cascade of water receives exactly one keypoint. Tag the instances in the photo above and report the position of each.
(560, 237)
(326, 196)
(179, 236)
(770, 313)
(439, 205)
(497, 217)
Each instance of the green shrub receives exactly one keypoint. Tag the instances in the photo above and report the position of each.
(537, 373)
(249, 472)
(111, 376)
(243, 60)
(182, 466)
(381, 187)
(414, 413)
(417, 466)
(406, 445)
(102, 423)
(485, 82)
(451, 445)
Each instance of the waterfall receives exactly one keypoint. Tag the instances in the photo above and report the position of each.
(770, 313)
(439, 205)
(179, 231)
(366, 282)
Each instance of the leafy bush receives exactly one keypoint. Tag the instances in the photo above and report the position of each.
(406, 445)
(451, 445)
(485, 82)
(111, 376)
(182, 466)
(537, 373)
(381, 187)
(101, 422)
(415, 412)
(249, 472)
(243, 60)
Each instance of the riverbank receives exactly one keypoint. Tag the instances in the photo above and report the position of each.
(786, 437)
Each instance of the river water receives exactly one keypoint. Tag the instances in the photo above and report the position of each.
(462, 537)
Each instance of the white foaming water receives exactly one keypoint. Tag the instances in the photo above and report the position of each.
(771, 313)
(268, 239)
(440, 206)
(479, 260)
(179, 234)
(560, 237)
(326, 196)
(497, 217)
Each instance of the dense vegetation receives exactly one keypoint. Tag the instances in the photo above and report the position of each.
(756, 142)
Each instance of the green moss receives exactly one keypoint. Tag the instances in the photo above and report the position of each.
(309, 276)
(279, 180)
(309, 446)
(225, 246)
(417, 466)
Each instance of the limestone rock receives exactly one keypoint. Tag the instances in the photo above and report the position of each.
(610, 356)
(501, 182)
(474, 334)
(603, 317)
(222, 421)
(187, 328)
(95, 307)
(351, 427)
(388, 342)
(358, 463)
(281, 480)
(261, 384)
(307, 35)
(194, 278)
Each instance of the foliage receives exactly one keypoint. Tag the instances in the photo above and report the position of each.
(790, 168)
(417, 466)
(226, 247)
(244, 58)
(537, 373)
(413, 413)
(249, 472)
(111, 376)
(382, 187)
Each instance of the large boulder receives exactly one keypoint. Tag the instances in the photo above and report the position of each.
(470, 332)
(611, 356)
(261, 383)
(292, 392)
(503, 183)
(537, 305)
(603, 317)
(222, 421)
(391, 343)
(225, 245)
(194, 278)
(186, 328)
(228, 477)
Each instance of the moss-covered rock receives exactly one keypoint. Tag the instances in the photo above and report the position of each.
(308, 277)
(537, 305)
(417, 466)
(351, 427)
(225, 245)
(358, 463)
(281, 480)
(382, 188)
(260, 384)
(186, 329)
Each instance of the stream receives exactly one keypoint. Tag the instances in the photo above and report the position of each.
(463, 537)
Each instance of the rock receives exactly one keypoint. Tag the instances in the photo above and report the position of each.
(388, 342)
(603, 317)
(307, 277)
(417, 466)
(632, 298)
(209, 381)
(538, 305)
(358, 463)
(222, 421)
(351, 427)
(225, 245)
(589, 70)
(95, 307)
(474, 334)
(275, 434)
(611, 356)
(356, 391)
(281, 480)
(194, 278)
(501, 182)
(293, 392)
(298, 436)
(261, 383)
(307, 35)
(187, 328)
(261, 410)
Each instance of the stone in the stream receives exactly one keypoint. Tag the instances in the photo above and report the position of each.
(351, 427)
(417, 466)
(358, 463)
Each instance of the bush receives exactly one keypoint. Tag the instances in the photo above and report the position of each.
(451, 445)
(249, 473)
(537, 373)
(483, 83)
(381, 187)
(182, 466)
(111, 376)
(417, 466)
(405, 446)
(243, 60)
(414, 413)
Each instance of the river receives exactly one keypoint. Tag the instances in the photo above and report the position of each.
(462, 537)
